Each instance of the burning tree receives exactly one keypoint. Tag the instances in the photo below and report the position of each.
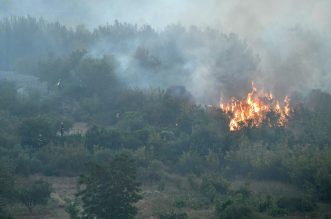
(256, 109)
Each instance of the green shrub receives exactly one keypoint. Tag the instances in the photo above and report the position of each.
(173, 215)
(278, 212)
(191, 162)
(26, 166)
(221, 206)
(323, 184)
(213, 185)
(180, 204)
(265, 204)
(5, 215)
(236, 212)
(73, 210)
(293, 204)
(7, 190)
(67, 160)
(110, 190)
(36, 193)
(35, 132)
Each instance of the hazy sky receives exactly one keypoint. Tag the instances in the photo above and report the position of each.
(232, 15)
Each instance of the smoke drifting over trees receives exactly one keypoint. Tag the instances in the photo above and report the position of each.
(211, 47)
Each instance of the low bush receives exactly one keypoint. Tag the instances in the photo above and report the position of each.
(234, 211)
(173, 215)
(292, 204)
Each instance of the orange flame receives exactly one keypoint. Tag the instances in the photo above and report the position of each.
(257, 108)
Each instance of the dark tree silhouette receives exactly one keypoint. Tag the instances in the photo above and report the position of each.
(110, 191)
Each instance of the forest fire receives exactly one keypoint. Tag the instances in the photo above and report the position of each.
(256, 109)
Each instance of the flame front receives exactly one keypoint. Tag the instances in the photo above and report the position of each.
(254, 110)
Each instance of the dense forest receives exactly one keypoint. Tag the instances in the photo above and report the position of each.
(114, 123)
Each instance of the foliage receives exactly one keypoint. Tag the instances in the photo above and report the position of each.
(112, 139)
(63, 160)
(6, 187)
(301, 204)
(36, 193)
(25, 165)
(8, 97)
(110, 191)
(214, 185)
(191, 162)
(35, 133)
(173, 215)
(73, 210)
(236, 212)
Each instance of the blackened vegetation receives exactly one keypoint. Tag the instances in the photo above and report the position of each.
(143, 136)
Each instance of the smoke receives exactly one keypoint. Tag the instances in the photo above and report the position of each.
(284, 46)
(249, 18)
(291, 38)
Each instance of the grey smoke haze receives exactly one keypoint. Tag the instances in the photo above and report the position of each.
(288, 41)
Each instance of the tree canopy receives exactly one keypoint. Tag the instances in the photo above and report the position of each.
(109, 191)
